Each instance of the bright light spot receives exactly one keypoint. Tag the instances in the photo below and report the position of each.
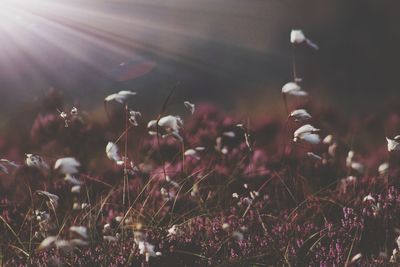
(17, 10)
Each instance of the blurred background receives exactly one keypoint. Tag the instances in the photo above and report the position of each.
(234, 53)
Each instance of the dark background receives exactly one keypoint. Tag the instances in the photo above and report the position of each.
(235, 53)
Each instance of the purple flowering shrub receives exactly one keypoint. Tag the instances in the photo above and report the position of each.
(227, 194)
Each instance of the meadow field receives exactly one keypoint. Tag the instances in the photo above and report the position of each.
(199, 187)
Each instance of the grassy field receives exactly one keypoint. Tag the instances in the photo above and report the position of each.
(198, 187)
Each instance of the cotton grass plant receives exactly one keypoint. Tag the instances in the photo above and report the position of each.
(198, 188)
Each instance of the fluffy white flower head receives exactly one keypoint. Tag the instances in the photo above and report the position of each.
(119, 97)
(298, 37)
(191, 107)
(308, 134)
(36, 161)
(112, 153)
(82, 231)
(300, 115)
(67, 165)
(393, 144)
(169, 125)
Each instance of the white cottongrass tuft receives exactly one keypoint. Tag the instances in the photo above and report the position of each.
(289, 87)
(351, 179)
(368, 198)
(82, 231)
(173, 123)
(195, 191)
(292, 88)
(42, 215)
(349, 159)
(305, 129)
(119, 97)
(225, 226)
(300, 115)
(219, 147)
(192, 153)
(5, 163)
(332, 149)
(328, 140)
(133, 117)
(36, 161)
(356, 257)
(174, 231)
(48, 242)
(147, 249)
(106, 228)
(229, 134)
(350, 163)
(398, 242)
(254, 194)
(170, 126)
(167, 194)
(51, 198)
(358, 167)
(67, 165)
(9, 162)
(298, 37)
(74, 111)
(238, 235)
(395, 256)
(313, 139)
(191, 107)
(298, 93)
(307, 133)
(151, 127)
(76, 189)
(112, 153)
(64, 116)
(76, 206)
(393, 144)
(383, 168)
